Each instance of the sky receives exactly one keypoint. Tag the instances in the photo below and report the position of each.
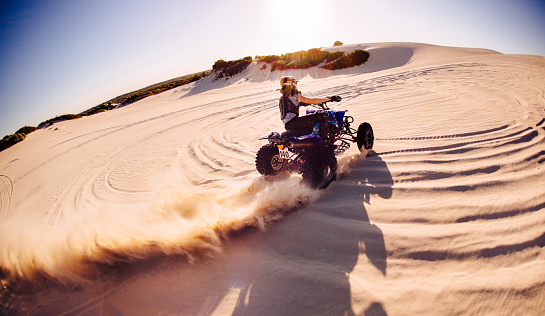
(66, 56)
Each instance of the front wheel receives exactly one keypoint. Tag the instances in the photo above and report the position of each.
(320, 168)
(268, 161)
(365, 136)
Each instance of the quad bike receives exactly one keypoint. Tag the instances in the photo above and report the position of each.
(304, 151)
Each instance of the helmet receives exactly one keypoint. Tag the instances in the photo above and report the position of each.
(288, 83)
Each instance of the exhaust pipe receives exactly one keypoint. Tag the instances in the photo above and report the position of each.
(302, 144)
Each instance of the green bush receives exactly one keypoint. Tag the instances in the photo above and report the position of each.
(106, 106)
(26, 130)
(333, 56)
(355, 58)
(296, 60)
(60, 118)
(359, 57)
(267, 59)
(305, 59)
(231, 68)
(338, 43)
(219, 64)
(10, 140)
(279, 65)
(134, 96)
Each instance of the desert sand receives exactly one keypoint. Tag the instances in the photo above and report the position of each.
(156, 208)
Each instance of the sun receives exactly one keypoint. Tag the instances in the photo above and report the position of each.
(299, 13)
(298, 5)
(293, 25)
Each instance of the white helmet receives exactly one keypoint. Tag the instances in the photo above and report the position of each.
(288, 83)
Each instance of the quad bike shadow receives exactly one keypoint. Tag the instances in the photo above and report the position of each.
(306, 152)
(315, 252)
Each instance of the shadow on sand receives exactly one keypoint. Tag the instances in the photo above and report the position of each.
(322, 244)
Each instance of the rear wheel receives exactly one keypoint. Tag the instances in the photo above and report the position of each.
(365, 136)
(268, 161)
(320, 167)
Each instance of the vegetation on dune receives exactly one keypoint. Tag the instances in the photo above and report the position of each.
(59, 118)
(26, 130)
(298, 60)
(106, 106)
(137, 95)
(10, 140)
(355, 58)
(313, 57)
(227, 69)
(334, 56)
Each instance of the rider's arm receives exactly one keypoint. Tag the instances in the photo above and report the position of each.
(312, 100)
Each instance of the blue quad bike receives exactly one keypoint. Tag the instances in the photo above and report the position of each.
(304, 151)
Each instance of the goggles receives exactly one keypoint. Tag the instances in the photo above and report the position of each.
(288, 81)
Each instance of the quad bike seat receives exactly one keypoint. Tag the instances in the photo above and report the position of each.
(297, 132)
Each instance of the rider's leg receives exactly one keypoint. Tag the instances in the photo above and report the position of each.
(324, 125)
(301, 122)
(309, 121)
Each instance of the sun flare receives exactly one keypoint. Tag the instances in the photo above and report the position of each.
(296, 24)
(299, 12)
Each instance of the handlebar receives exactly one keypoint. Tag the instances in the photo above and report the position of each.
(322, 105)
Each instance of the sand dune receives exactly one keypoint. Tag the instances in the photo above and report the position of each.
(156, 207)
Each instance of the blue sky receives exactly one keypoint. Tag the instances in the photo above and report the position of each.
(65, 56)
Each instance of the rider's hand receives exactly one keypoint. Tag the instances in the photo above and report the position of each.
(335, 98)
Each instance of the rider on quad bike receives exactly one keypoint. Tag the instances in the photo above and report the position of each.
(311, 142)
(289, 104)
